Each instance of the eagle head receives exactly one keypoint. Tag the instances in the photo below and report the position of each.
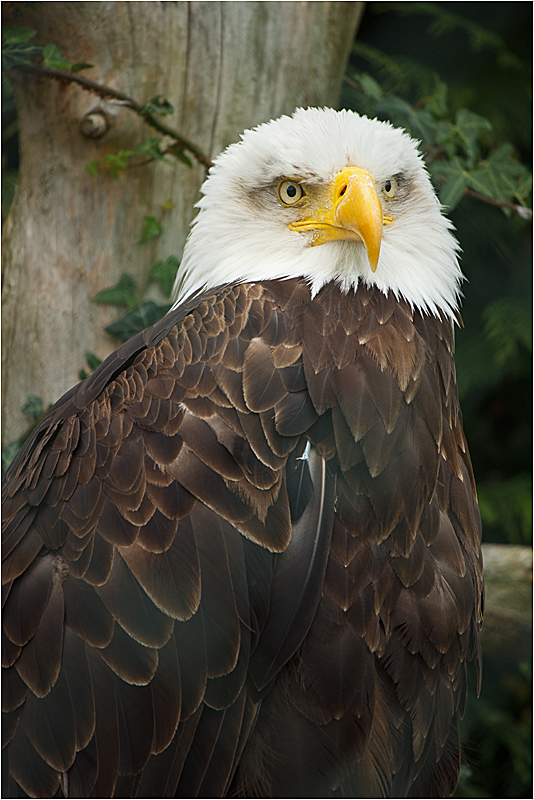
(324, 195)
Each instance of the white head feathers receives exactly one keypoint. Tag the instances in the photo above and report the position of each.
(241, 232)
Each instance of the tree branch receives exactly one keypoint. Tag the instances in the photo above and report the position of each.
(523, 211)
(129, 102)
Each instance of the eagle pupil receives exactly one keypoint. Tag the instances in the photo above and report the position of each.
(291, 191)
(388, 186)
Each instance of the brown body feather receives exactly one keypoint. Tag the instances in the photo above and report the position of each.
(197, 606)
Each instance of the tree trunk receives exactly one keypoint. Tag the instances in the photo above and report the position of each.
(224, 66)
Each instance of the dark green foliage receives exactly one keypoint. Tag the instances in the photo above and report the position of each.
(34, 409)
(158, 105)
(124, 293)
(92, 362)
(496, 731)
(17, 52)
(147, 313)
(164, 272)
(141, 311)
(152, 229)
(16, 48)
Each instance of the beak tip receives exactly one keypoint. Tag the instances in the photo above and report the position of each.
(373, 261)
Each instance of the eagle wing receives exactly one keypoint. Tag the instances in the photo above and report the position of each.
(257, 513)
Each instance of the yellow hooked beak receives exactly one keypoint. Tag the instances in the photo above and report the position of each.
(349, 209)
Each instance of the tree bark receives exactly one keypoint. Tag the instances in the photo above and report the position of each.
(224, 66)
(507, 630)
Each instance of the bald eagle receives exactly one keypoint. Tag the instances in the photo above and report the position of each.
(242, 558)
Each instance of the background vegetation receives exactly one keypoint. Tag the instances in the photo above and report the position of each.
(457, 76)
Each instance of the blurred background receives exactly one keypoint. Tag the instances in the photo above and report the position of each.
(458, 77)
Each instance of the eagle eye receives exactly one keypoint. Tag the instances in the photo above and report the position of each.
(390, 188)
(290, 192)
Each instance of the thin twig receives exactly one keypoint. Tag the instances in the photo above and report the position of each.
(523, 211)
(352, 83)
(129, 102)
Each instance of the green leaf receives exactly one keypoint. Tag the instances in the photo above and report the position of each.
(10, 130)
(152, 229)
(164, 272)
(17, 35)
(179, 153)
(123, 293)
(150, 148)
(8, 454)
(523, 190)
(502, 159)
(421, 124)
(500, 175)
(437, 102)
(158, 105)
(54, 60)
(370, 86)
(33, 407)
(16, 49)
(93, 167)
(471, 127)
(147, 314)
(93, 362)
(79, 67)
(116, 163)
(455, 175)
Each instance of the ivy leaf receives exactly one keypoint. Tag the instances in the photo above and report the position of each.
(158, 105)
(436, 103)
(502, 158)
(8, 454)
(17, 35)
(16, 48)
(78, 67)
(93, 361)
(152, 229)
(456, 177)
(524, 188)
(421, 124)
(150, 148)
(116, 163)
(33, 407)
(370, 86)
(93, 167)
(471, 127)
(147, 314)
(164, 272)
(179, 153)
(500, 175)
(54, 60)
(123, 293)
